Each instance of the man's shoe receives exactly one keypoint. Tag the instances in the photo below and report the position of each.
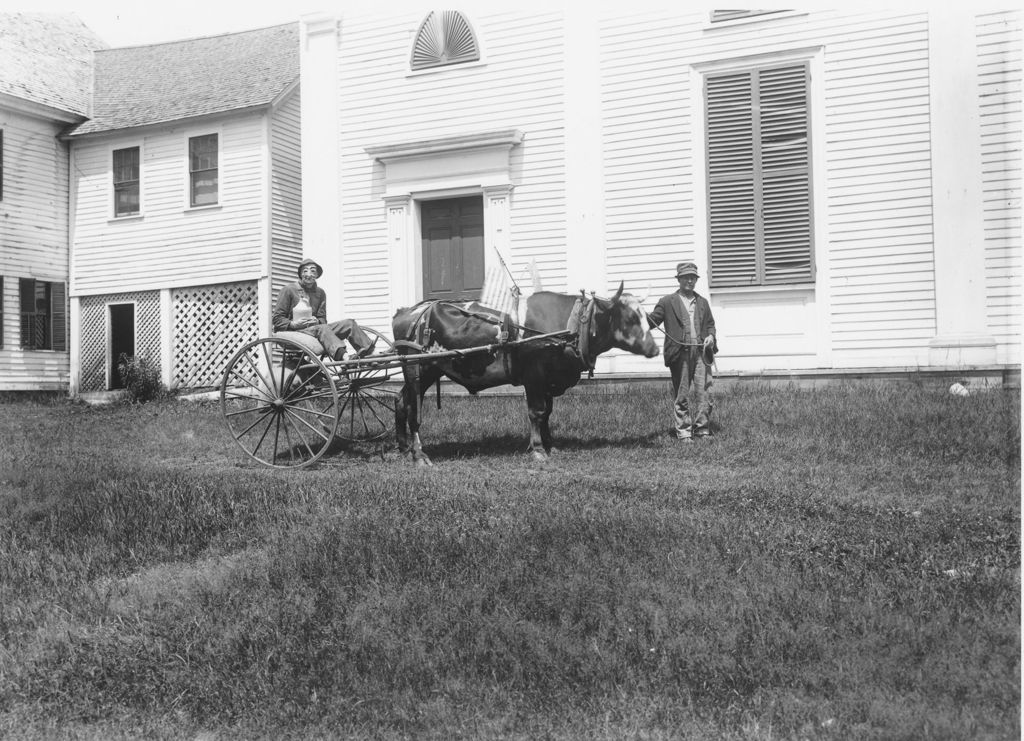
(368, 350)
(339, 354)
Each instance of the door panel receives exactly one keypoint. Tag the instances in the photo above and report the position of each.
(473, 258)
(438, 262)
(453, 248)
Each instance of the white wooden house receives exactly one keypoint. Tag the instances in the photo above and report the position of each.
(45, 77)
(848, 181)
(186, 204)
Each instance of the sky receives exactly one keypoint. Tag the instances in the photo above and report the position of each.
(133, 22)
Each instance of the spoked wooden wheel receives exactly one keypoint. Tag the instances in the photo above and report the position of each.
(280, 403)
(368, 394)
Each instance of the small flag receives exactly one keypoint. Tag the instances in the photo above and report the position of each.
(497, 292)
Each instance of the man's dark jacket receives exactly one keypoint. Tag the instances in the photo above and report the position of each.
(670, 310)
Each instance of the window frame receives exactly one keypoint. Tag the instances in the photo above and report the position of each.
(191, 174)
(755, 66)
(716, 20)
(114, 183)
(725, 16)
(416, 67)
(55, 321)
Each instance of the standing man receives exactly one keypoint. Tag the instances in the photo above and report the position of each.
(690, 348)
(302, 307)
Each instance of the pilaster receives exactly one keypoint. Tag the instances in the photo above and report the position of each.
(320, 127)
(961, 336)
(405, 261)
(586, 267)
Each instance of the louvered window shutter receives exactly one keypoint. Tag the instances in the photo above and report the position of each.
(59, 316)
(730, 157)
(759, 186)
(26, 304)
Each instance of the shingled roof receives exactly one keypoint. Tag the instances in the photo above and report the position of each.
(160, 83)
(47, 58)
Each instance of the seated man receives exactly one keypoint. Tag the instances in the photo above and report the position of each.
(302, 307)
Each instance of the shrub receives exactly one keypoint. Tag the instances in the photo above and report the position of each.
(141, 377)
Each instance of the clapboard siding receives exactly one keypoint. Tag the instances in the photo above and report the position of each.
(34, 205)
(518, 84)
(33, 240)
(879, 188)
(170, 245)
(646, 142)
(999, 79)
(285, 192)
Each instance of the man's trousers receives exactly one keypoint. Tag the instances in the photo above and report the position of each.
(691, 384)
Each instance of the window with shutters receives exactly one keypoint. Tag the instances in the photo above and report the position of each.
(43, 314)
(126, 181)
(445, 37)
(759, 176)
(203, 170)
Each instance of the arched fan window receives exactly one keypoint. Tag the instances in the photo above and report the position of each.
(445, 37)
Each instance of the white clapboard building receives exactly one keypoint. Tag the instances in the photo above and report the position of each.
(186, 204)
(45, 77)
(847, 181)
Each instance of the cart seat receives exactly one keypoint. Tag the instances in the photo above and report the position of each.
(309, 343)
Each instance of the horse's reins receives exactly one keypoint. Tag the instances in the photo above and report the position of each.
(714, 361)
(678, 342)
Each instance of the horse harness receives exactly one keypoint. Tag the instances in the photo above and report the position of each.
(577, 345)
(581, 324)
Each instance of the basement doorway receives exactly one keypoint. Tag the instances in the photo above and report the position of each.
(122, 339)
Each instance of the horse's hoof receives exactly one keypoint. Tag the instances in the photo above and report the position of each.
(539, 457)
(424, 461)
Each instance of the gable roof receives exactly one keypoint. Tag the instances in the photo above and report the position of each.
(160, 83)
(47, 58)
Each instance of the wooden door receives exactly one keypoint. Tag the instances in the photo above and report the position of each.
(453, 248)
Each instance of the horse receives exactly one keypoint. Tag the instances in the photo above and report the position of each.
(570, 331)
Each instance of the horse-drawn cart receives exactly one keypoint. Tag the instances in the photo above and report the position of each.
(285, 404)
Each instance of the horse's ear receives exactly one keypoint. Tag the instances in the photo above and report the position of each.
(618, 293)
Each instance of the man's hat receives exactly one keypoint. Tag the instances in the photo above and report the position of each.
(686, 268)
(314, 263)
(708, 353)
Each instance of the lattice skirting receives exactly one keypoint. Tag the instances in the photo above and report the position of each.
(93, 343)
(210, 324)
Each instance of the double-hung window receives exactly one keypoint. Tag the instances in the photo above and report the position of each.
(202, 169)
(43, 314)
(126, 181)
(760, 225)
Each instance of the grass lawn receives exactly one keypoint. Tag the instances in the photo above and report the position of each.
(841, 563)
